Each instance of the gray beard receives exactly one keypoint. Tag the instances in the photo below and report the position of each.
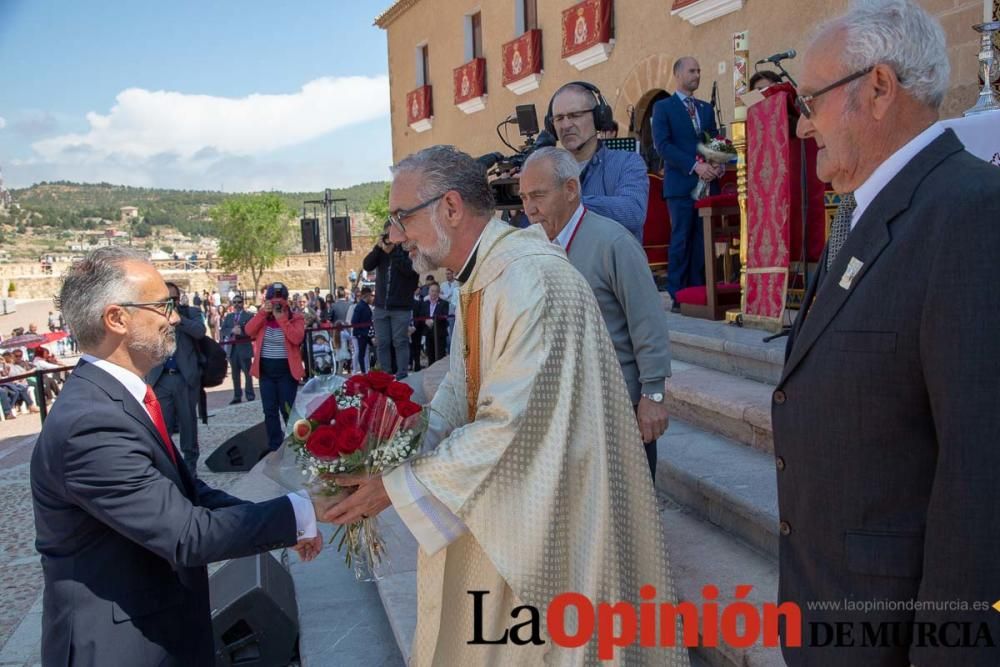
(157, 349)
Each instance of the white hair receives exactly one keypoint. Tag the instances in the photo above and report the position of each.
(564, 165)
(901, 34)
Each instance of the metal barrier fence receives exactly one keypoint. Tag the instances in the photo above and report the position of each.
(39, 376)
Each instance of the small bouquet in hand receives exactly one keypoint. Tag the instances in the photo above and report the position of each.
(716, 152)
(365, 424)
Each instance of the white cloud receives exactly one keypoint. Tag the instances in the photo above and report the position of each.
(3, 123)
(196, 130)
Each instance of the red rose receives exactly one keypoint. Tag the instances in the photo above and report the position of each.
(407, 408)
(356, 385)
(322, 442)
(379, 380)
(348, 417)
(399, 391)
(326, 412)
(349, 440)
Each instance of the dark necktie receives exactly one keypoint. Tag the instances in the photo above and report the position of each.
(153, 407)
(840, 227)
(692, 112)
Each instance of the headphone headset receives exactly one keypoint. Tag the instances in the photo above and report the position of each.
(604, 117)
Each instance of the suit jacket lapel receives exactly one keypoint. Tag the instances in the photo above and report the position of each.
(166, 464)
(133, 409)
(865, 243)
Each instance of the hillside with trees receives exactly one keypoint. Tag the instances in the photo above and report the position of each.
(66, 206)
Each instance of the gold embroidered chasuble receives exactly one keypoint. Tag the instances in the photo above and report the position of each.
(549, 476)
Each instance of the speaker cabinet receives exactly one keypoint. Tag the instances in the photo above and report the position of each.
(310, 235)
(255, 619)
(341, 233)
(241, 452)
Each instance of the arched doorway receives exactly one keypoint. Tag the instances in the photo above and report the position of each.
(644, 129)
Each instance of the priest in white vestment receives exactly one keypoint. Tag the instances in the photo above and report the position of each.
(533, 479)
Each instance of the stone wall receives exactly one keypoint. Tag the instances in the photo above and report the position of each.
(299, 272)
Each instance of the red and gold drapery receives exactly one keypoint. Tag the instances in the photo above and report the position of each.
(522, 56)
(470, 80)
(418, 105)
(585, 25)
(774, 229)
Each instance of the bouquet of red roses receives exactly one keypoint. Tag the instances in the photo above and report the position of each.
(365, 424)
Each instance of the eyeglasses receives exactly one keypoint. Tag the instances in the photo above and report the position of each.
(802, 101)
(396, 219)
(164, 308)
(572, 115)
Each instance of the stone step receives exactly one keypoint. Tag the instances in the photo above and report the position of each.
(700, 554)
(726, 348)
(728, 405)
(729, 485)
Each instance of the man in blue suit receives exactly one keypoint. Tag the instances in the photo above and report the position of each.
(679, 123)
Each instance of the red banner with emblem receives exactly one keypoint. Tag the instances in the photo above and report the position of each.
(418, 104)
(681, 4)
(584, 25)
(470, 80)
(522, 56)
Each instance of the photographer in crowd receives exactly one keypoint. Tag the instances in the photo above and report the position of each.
(395, 282)
(277, 333)
(614, 183)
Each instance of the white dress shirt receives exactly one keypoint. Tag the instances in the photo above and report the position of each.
(305, 516)
(563, 237)
(888, 170)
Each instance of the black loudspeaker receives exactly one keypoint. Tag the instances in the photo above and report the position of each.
(241, 452)
(255, 619)
(310, 235)
(604, 115)
(341, 233)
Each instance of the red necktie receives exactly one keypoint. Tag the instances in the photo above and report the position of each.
(153, 407)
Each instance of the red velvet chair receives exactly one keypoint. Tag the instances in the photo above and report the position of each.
(720, 216)
(656, 230)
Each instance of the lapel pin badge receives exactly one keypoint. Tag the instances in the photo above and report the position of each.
(852, 270)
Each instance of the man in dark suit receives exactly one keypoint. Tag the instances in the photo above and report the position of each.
(435, 313)
(885, 418)
(123, 528)
(177, 381)
(679, 123)
(240, 350)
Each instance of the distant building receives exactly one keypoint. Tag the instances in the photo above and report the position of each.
(6, 200)
(129, 214)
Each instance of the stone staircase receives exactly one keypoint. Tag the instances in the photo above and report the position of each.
(715, 477)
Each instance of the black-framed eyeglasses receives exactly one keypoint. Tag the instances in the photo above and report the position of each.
(572, 115)
(164, 308)
(802, 101)
(396, 219)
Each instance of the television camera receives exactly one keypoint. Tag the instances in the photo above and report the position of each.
(503, 169)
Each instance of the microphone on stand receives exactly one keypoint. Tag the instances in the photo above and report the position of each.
(778, 57)
(718, 111)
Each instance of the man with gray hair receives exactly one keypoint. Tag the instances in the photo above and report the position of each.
(532, 481)
(123, 528)
(885, 417)
(615, 267)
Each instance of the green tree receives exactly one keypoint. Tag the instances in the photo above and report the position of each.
(378, 212)
(253, 233)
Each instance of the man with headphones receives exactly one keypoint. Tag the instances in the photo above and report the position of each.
(614, 183)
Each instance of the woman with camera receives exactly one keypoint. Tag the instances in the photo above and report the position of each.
(277, 334)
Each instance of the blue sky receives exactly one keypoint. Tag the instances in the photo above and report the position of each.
(217, 94)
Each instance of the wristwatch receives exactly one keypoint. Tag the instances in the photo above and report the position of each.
(655, 398)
